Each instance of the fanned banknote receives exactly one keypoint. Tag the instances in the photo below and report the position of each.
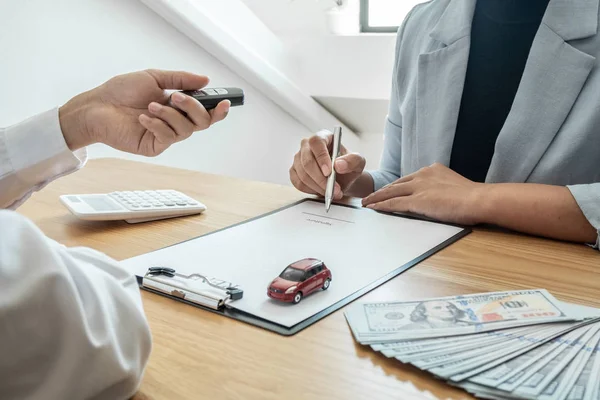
(449, 316)
(502, 345)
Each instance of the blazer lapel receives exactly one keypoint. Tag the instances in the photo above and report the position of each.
(554, 75)
(440, 81)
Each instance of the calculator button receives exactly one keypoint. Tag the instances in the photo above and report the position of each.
(192, 203)
(181, 203)
(134, 206)
(168, 203)
(146, 205)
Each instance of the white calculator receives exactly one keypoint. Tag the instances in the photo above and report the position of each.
(132, 206)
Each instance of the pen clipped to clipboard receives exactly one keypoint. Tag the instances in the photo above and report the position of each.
(195, 288)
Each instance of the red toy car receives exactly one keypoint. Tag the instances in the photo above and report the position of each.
(300, 279)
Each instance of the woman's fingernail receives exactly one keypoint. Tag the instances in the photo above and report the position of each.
(341, 165)
(371, 206)
(325, 169)
(154, 107)
(178, 97)
(144, 117)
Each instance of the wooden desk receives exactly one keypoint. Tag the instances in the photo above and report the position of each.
(199, 355)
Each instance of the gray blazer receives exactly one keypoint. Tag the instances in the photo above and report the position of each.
(552, 133)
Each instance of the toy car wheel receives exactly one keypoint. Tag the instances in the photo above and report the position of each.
(326, 284)
(297, 297)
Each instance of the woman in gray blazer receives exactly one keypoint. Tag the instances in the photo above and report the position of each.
(494, 118)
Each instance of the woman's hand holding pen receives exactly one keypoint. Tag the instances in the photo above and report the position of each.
(312, 166)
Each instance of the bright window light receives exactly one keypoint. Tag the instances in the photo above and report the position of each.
(384, 15)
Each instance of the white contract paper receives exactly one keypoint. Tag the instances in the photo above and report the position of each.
(359, 246)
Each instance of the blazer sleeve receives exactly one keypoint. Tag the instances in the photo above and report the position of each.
(390, 166)
(588, 199)
(32, 154)
(73, 326)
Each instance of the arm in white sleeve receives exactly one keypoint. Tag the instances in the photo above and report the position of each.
(32, 154)
(73, 326)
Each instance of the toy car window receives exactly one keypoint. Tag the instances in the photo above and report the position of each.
(311, 272)
(293, 274)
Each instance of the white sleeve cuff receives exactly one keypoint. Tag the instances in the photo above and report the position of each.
(37, 149)
(35, 153)
(588, 199)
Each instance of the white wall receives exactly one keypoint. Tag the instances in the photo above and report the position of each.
(351, 68)
(354, 65)
(229, 31)
(52, 50)
(358, 66)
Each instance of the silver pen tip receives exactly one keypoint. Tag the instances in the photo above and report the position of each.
(327, 205)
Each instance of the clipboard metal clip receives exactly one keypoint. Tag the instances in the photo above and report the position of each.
(196, 288)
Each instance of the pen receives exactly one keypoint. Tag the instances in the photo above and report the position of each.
(337, 142)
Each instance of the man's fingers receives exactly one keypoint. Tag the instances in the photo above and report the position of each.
(349, 163)
(179, 80)
(310, 166)
(161, 131)
(219, 113)
(389, 192)
(319, 147)
(182, 126)
(194, 110)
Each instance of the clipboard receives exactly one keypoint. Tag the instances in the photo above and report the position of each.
(228, 306)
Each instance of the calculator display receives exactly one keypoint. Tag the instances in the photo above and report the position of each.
(101, 203)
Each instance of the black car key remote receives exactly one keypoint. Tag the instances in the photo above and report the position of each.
(210, 97)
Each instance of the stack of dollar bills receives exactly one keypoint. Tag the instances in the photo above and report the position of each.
(502, 345)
